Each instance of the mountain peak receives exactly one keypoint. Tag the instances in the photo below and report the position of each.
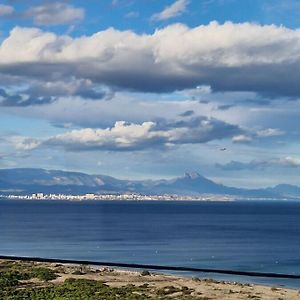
(192, 175)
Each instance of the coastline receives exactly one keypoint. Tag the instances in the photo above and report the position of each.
(144, 198)
(120, 197)
(144, 283)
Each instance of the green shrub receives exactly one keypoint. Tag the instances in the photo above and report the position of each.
(43, 274)
(11, 278)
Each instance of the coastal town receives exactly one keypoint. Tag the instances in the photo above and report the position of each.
(120, 197)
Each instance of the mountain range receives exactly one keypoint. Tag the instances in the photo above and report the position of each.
(26, 181)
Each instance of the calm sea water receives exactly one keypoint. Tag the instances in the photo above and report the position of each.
(248, 236)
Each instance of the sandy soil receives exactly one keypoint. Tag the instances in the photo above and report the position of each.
(203, 289)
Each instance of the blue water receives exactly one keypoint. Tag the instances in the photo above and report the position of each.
(248, 236)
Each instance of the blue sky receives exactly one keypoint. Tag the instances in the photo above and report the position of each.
(151, 89)
(136, 15)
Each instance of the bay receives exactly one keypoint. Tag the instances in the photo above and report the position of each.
(246, 236)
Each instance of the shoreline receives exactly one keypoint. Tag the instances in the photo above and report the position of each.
(154, 285)
(120, 197)
(262, 200)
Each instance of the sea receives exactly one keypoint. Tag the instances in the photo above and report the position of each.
(262, 236)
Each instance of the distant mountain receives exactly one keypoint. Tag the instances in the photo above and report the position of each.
(54, 181)
(285, 190)
(27, 181)
(194, 183)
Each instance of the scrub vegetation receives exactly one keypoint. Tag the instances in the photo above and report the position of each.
(54, 281)
(22, 281)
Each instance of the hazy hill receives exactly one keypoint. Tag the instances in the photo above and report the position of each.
(286, 190)
(26, 181)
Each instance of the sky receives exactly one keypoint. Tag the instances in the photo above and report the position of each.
(152, 89)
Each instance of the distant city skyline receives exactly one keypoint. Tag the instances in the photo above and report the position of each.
(150, 89)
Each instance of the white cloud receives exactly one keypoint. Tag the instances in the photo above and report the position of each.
(25, 143)
(6, 10)
(242, 139)
(229, 57)
(290, 161)
(171, 11)
(129, 136)
(55, 13)
(269, 132)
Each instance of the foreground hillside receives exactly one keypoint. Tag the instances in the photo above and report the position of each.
(34, 281)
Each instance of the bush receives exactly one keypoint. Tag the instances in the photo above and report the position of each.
(11, 278)
(43, 274)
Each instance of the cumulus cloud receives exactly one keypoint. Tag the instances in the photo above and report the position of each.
(287, 162)
(6, 10)
(227, 57)
(290, 161)
(269, 132)
(25, 143)
(55, 13)
(125, 136)
(260, 134)
(171, 11)
(242, 138)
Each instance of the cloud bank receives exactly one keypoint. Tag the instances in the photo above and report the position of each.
(226, 57)
(130, 137)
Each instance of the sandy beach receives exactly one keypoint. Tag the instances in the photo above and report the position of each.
(152, 285)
